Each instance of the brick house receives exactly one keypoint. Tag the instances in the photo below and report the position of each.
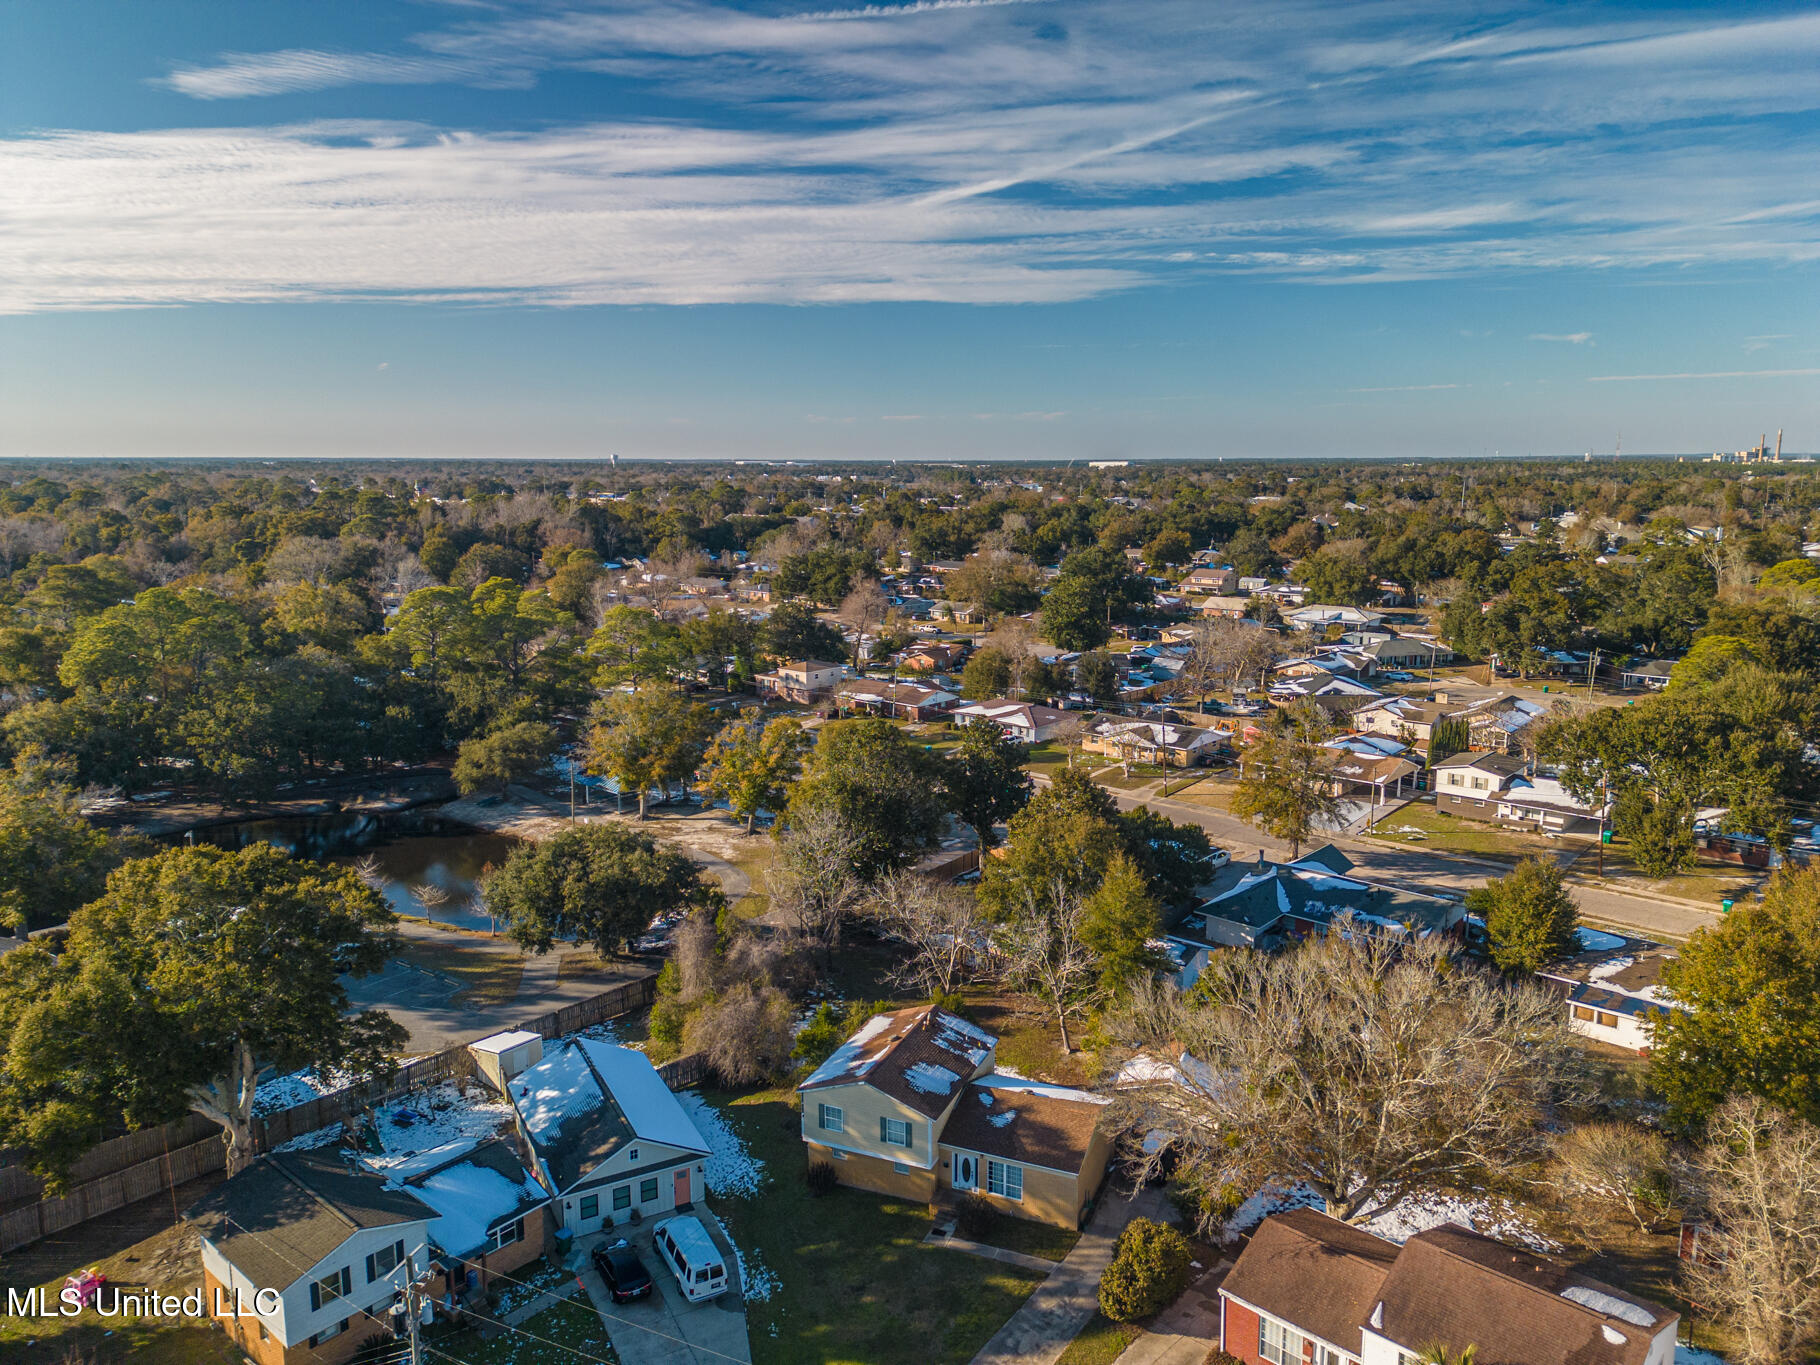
(1311, 1290)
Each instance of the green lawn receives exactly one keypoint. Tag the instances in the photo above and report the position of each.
(1042, 1240)
(1450, 834)
(856, 1284)
(565, 1334)
(1047, 757)
(1100, 1342)
(755, 856)
(1708, 882)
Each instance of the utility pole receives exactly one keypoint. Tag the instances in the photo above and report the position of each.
(1592, 669)
(413, 1309)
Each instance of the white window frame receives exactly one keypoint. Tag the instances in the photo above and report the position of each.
(1275, 1340)
(832, 1119)
(507, 1234)
(1006, 1180)
(887, 1127)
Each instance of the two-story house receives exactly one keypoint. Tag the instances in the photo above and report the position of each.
(1501, 790)
(1311, 1290)
(607, 1137)
(802, 681)
(332, 1244)
(911, 1106)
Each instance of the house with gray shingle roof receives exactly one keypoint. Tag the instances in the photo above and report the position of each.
(607, 1137)
(314, 1249)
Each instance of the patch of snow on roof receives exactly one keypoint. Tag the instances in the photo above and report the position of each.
(469, 1200)
(555, 1090)
(649, 1105)
(1003, 1118)
(1610, 1305)
(404, 1167)
(1613, 1335)
(1597, 941)
(731, 1169)
(1019, 1085)
(930, 1079)
(849, 1058)
(1610, 968)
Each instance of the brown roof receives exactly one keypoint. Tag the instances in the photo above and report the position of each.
(1457, 1288)
(1314, 1271)
(1447, 1286)
(919, 1057)
(1025, 1122)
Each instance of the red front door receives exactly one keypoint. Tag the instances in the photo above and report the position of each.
(682, 1188)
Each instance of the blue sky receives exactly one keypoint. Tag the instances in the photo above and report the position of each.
(953, 228)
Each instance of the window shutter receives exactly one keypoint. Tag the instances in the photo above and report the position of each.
(315, 1296)
(372, 1270)
(884, 1130)
(347, 1280)
(398, 1252)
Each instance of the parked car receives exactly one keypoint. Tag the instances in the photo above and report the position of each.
(685, 1247)
(1397, 675)
(625, 1274)
(1217, 858)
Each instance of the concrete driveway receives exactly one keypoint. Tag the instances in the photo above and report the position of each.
(666, 1329)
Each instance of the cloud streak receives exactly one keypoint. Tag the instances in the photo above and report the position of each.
(949, 150)
(1711, 374)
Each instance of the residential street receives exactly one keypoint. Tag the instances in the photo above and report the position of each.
(1421, 869)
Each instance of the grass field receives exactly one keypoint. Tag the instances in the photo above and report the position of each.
(855, 1280)
(1450, 834)
(564, 1334)
(1100, 1342)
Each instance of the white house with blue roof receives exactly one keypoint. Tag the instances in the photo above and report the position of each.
(607, 1137)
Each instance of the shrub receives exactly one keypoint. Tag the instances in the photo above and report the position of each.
(1149, 1268)
(1218, 1357)
(975, 1218)
(821, 1178)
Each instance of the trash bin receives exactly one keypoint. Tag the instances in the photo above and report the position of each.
(1725, 906)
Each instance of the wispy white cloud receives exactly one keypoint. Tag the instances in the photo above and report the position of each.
(1407, 388)
(1762, 343)
(962, 150)
(1711, 374)
(1571, 338)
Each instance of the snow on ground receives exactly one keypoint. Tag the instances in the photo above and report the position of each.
(1420, 1212)
(731, 1169)
(295, 1088)
(433, 1117)
(756, 1280)
(1271, 1199)
(322, 1137)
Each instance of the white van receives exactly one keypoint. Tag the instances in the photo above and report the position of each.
(684, 1245)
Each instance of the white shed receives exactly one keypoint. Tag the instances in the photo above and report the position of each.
(501, 1056)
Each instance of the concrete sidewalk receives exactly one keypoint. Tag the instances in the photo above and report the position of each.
(1061, 1305)
(1187, 1330)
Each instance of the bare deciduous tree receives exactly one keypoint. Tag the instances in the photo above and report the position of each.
(940, 925)
(744, 1035)
(1042, 950)
(1756, 1181)
(429, 898)
(1369, 1067)
(815, 883)
(1610, 1162)
(863, 608)
(1225, 653)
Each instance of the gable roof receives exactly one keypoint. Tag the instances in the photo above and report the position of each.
(1029, 1122)
(1313, 1271)
(286, 1212)
(473, 1187)
(1448, 1286)
(918, 1056)
(1315, 890)
(1504, 765)
(582, 1103)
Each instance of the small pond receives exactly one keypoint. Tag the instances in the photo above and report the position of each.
(413, 849)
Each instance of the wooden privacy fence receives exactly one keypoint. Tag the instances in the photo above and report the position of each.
(136, 1166)
(93, 1198)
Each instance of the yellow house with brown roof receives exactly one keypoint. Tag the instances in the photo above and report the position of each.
(912, 1106)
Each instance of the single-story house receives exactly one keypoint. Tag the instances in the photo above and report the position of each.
(1319, 615)
(1382, 776)
(1651, 674)
(1499, 789)
(932, 656)
(606, 1136)
(333, 1242)
(912, 1106)
(1269, 905)
(492, 1217)
(1022, 720)
(1153, 741)
(1407, 652)
(803, 681)
(1312, 1288)
(1223, 606)
(903, 700)
(1612, 987)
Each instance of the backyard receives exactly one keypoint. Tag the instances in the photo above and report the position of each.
(1420, 823)
(854, 1279)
